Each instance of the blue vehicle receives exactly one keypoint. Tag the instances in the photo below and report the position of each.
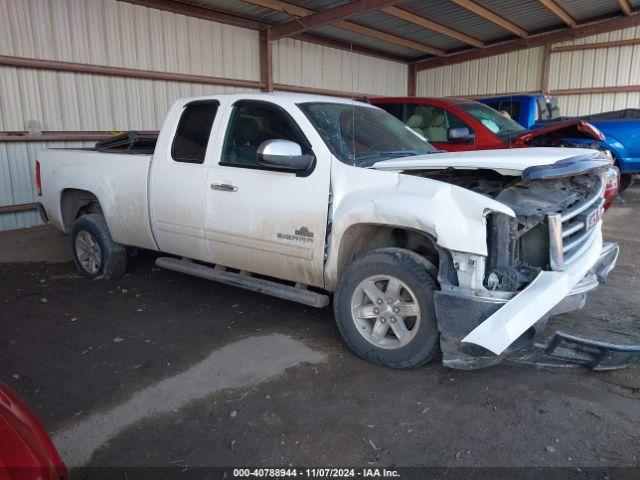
(621, 128)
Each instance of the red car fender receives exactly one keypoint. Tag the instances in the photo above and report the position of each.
(26, 451)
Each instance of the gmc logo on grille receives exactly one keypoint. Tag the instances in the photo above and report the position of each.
(593, 218)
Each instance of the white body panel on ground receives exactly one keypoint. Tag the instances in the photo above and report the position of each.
(502, 328)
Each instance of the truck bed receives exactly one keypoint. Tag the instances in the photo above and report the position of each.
(118, 181)
(626, 114)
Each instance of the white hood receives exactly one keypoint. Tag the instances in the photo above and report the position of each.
(506, 161)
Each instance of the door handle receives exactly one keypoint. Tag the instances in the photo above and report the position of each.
(225, 187)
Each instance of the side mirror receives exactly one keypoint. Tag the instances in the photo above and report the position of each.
(459, 134)
(283, 154)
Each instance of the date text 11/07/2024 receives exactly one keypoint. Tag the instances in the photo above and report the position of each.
(315, 473)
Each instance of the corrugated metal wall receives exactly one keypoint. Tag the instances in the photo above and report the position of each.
(118, 34)
(73, 101)
(109, 33)
(510, 72)
(312, 65)
(16, 179)
(607, 67)
(522, 72)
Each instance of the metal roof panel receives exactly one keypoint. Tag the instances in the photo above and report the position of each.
(390, 24)
(528, 14)
(458, 18)
(586, 9)
(356, 39)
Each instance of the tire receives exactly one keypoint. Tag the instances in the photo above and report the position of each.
(89, 233)
(626, 179)
(364, 335)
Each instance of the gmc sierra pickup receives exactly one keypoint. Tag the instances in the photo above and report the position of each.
(306, 197)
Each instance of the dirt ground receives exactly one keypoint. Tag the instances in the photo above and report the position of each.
(161, 369)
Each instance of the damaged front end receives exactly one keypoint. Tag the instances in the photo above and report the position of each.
(541, 263)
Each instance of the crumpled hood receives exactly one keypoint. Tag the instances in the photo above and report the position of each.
(557, 131)
(506, 162)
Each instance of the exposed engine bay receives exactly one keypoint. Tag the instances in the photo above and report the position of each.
(519, 247)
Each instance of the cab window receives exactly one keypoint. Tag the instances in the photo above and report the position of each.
(251, 124)
(192, 135)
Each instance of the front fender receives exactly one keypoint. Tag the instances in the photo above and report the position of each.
(453, 216)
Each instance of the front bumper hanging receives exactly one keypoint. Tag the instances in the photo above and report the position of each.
(595, 354)
(458, 315)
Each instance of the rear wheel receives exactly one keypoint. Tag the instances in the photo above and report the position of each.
(94, 252)
(384, 308)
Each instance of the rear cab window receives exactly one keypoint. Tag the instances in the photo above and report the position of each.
(193, 132)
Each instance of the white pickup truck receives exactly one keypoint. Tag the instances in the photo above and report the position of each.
(309, 197)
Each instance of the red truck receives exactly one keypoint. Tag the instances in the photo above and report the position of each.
(460, 124)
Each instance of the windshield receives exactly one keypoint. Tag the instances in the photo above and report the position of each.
(362, 136)
(495, 121)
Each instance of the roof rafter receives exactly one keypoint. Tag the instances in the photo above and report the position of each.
(433, 26)
(328, 16)
(625, 6)
(297, 11)
(491, 17)
(559, 12)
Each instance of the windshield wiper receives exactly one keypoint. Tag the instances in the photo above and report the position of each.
(392, 153)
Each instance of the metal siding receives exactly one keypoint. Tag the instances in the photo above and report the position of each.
(614, 66)
(101, 32)
(506, 73)
(584, 104)
(119, 34)
(311, 65)
(88, 102)
(76, 101)
(522, 72)
(17, 167)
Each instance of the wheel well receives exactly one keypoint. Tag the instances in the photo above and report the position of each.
(74, 203)
(362, 238)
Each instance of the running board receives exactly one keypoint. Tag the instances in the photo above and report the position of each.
(259, 285)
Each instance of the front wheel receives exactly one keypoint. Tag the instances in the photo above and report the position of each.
(94, 252)
(384, 308)
(626, 179)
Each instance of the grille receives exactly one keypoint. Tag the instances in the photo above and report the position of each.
(572, 232)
